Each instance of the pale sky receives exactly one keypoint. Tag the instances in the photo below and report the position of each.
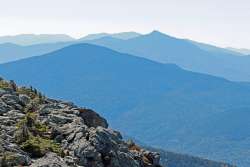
(220, 22)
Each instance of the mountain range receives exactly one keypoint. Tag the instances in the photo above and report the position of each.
(12, 52)
(123, 35)
(13, 48)
(156, 46)
(32, 39)
(166, 49)
(185, 111)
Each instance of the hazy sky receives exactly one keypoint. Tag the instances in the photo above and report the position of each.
(221, 22)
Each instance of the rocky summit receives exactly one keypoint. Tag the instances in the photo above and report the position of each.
(38, 131)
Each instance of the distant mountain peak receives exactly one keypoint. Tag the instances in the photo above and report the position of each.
(126, 35)
(159, 34)
(156, 32)
(94, 36)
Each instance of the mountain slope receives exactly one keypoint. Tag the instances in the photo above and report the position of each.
(215, 49)
(188, 112)
(12, 52)
(166, 49)
(32, 39)
(170, 159)
(242, 51)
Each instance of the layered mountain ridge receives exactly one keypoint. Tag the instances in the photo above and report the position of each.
(163, 48)
(122, 35)
(32, 39)
(188, 112)
(156, 46)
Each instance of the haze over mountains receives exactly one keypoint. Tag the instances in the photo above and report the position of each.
(32, 39)
(123, 35)
(12, 52)
(155, 46)
(157, 96)
(186, 111)
(242, 51)
(166, 49)
(215, 49)
(14, 48)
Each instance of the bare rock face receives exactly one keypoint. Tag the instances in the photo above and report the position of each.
(49, 160)
(40, 132)
(92, 119)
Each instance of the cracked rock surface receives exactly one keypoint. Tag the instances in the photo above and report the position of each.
(41, 132)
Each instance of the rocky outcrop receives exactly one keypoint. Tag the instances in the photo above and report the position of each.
(37, 131)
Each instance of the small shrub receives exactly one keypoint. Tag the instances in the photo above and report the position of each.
(31, 107)
(38, 147)
(9, 159)
(29, 120)
(30, 134)
(29, 123)
(132, 146)
(4, 85)
(27, 91)
(41, 128)
(22, 134)
(13, 85)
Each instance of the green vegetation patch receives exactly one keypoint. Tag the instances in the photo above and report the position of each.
(29, 120)
(31, 134)
(4, 84)
(38, 147)
(27, 91)
(10, 159)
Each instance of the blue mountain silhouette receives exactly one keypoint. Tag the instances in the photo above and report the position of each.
(32, 39)
(166, 49)
(187, 112)
(159, 47)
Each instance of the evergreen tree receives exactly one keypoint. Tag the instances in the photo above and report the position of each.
(35, 91)
(13, 85)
